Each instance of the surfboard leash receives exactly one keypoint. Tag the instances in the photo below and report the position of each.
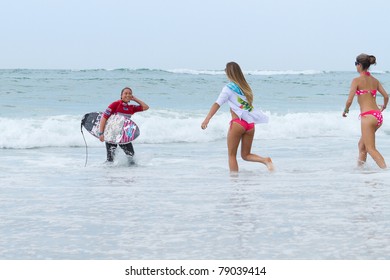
(85, 141)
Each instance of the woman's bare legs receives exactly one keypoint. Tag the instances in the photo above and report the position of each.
(246, 146)
(362, 152)
(237, 133)
(233, 140)
(367, 141)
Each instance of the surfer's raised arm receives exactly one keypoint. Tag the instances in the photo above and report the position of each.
(140, 102)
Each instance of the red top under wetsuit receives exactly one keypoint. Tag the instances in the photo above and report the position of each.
(122, 108)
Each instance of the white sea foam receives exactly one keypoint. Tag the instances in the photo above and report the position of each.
(164, 126)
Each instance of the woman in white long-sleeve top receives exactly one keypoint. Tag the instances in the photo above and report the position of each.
(239, 95)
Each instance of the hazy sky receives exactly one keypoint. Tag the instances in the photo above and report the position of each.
(193, 34)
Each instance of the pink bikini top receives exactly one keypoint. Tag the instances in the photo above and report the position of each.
(364, 91)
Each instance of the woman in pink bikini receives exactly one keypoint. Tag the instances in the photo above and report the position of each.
(366, 87)
(242, 126)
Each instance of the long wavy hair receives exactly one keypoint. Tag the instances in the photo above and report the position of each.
(234, 73)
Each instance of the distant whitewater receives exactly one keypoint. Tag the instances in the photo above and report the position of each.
(256, 72)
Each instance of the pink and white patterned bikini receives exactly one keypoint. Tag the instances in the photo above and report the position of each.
(376, 113)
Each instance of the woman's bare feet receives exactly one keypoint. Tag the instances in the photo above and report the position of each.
(269, 164)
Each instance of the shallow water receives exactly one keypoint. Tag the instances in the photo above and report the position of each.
(174, 205)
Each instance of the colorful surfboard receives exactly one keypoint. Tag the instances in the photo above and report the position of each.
(119, 128)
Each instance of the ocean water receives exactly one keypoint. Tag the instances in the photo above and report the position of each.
(59, 200)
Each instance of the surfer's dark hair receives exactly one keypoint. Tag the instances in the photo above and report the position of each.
(125, 89)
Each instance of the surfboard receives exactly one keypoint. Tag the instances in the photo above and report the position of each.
(119, 128)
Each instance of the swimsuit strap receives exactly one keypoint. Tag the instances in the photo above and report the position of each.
(364, 91)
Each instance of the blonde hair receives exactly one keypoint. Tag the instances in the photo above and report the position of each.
(234, 73)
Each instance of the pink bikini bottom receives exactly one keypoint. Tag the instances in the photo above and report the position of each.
(244, 124)
(376, 113)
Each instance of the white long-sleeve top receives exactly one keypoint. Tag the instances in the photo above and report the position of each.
(238, 103)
